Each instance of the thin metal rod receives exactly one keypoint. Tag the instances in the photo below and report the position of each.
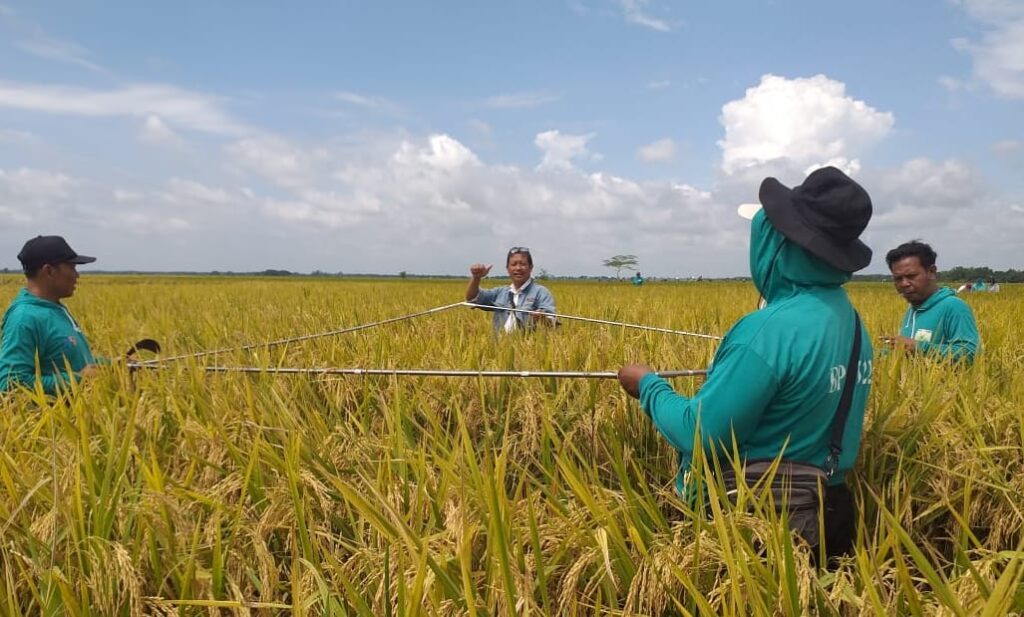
(600, 321)
(420, 372)
(305, 337)
(301, 338)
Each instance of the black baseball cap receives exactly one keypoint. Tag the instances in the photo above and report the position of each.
(43, 250)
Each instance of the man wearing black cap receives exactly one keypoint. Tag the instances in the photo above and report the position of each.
(37, 327)
(779, 381)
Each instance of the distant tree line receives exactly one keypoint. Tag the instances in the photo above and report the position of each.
(962, 273)
(959, 273)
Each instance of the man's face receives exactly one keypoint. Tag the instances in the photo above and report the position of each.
(915, 282)
(61, 279)
(519, 268)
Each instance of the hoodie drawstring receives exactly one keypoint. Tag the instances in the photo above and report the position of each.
(768, 272)
(74, 324)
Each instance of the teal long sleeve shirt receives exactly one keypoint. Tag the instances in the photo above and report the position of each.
(37, 328)
(944, 326)
(776, 379)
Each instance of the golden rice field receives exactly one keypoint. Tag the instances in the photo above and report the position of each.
(178, 492)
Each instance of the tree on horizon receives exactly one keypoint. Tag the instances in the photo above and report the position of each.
(620, 262)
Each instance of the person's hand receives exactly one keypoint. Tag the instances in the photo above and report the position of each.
(542, 318)
(630, 376)
(479, 271)
(901, 343)
(88, 371)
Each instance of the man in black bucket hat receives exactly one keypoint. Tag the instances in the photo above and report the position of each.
(825, 215)
(37, 327)
(790, 380)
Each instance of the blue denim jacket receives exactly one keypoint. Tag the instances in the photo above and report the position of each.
(535, 298)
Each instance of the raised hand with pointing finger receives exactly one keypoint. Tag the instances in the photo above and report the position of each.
(477, 272)
(523, 294)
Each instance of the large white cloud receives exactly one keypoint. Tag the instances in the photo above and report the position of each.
(998, 54)
(948, 203)
(434, 194)
(788, 127)
(430, 203)
(35, 201)
(924, 183)
(804, 121)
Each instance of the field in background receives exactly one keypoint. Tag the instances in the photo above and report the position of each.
(180, 492)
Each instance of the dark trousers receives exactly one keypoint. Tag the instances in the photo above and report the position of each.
(840, 521)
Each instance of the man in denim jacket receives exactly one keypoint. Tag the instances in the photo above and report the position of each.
(523, 294)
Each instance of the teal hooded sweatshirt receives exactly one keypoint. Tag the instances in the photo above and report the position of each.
(33, 325)
(777, 376)
(943, 325)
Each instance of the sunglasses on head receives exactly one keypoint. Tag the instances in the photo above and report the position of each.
(518, 249)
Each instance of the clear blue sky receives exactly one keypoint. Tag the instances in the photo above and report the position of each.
(388, 136)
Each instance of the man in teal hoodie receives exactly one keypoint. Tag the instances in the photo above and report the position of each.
(937, 322)
(775, 384)
(40, 338)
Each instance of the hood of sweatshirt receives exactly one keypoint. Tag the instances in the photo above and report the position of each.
(780, 267)
(940, 294)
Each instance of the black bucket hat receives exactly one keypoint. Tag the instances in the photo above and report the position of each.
(825, 215)
(43, 250)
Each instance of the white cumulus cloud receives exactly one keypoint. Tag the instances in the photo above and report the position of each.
(925, 184)
(432, 200)
(275, 159)
(948, 204)
(560, 149)
(998, 55)
(805, 121)
(443, 152)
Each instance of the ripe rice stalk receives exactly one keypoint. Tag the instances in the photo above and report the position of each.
(384, 495)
